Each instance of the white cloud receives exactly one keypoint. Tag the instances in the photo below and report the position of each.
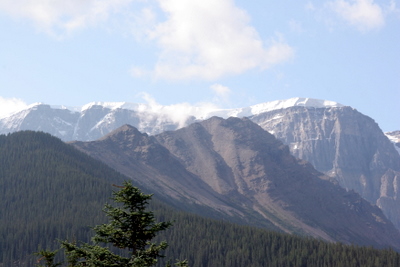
(59, 17)
(199, 39)
(11, 105)
(222, 93)
(207, 39)
(178, 113)
(220, 90)
(365, 15)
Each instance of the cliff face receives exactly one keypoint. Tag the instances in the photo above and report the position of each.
(235, 167)
(345, 145)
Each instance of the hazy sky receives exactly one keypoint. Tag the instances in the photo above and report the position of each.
(222, 52)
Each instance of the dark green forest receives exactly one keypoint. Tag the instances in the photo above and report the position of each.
(50, 191)
(206, 242)
(47, 191)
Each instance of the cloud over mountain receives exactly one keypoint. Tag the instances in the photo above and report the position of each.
(11, 105)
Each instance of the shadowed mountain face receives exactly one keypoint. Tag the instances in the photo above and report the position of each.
(238, 169)
(345, 145)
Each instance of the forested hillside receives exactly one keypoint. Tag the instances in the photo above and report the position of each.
(49, 191)
(204, 242)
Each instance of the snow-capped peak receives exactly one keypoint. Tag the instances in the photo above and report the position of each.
(180, 112)
(156, 115)
(292, 102)
(150, 117)
(275, 105)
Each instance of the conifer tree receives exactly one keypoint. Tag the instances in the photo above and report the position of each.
(130, 230)
(48, 256)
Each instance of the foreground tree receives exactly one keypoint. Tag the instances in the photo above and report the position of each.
(130, 231)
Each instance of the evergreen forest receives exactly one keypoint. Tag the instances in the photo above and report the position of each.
(50, 191)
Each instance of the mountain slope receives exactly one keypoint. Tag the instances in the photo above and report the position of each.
(151, 165)
(248, 167)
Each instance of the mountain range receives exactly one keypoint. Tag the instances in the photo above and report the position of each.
(94, 120)
(337, 140)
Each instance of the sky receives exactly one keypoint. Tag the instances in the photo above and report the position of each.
(214, 53)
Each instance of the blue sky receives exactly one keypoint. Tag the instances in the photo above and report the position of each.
(202, 52)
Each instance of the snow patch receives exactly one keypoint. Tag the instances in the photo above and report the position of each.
(394, 137)
(293, 102)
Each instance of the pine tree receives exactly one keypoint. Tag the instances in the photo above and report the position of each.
(48, 256)
(130, 231)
